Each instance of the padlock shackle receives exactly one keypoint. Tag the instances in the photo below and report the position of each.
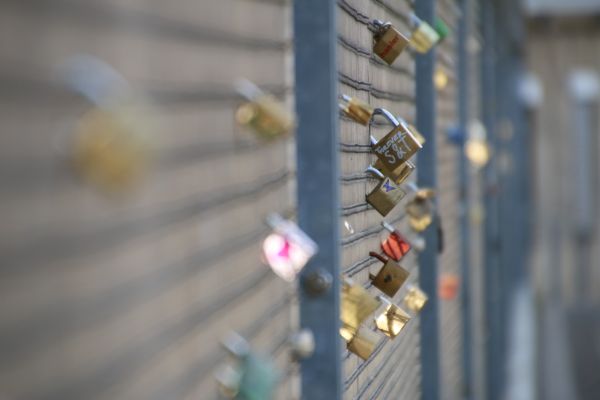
(388, 115)
(375, 171)
(388, 227)
(378, 256)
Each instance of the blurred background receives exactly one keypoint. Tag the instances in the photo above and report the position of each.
(134, 200)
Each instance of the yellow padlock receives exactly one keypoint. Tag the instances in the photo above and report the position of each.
(415, 299)
(423, 37)
(363, 342)
(356, 109)
(392, 320)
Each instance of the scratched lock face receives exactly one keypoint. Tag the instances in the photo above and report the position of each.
(385, 196)
(390, 278)
(396, 148)
(388, 44)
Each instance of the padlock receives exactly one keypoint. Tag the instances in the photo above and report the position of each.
(385, 195)
(288, 248)
(111, 147)
(400, 174)
(388, 42)
(363, 343)
(421, 209)
(396, 147)
(392, 320)
(263, 113)
(396, 245)
(390, 277)
(441, 28)
(415, 299)
(252, 377)
(448, 286)
(423, 37)
(356, 306)
(358, 110)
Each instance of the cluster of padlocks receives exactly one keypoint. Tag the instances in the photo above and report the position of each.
(112, 151)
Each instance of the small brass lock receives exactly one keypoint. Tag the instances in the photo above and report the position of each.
(390, 277)
(392, 320)
(400, 174)
(356, 306)
(396, 245)
(111, 149)
(385, 195)
(358, 110)
(396, 147)
(424, 37)
(363, 343)
(388, 42)
(421, 209)
(415, 299)
(263, 113)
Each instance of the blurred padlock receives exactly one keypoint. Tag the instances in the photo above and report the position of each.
(423, 37)
(441, 28)
(111, 149)
(390, 277)
(396, 147)
(388, 42)
(385, 195)
(448, 286)
(392, 320)
(251, 378)
(356, 109)
(396, 245)
(357, 304)
(263, 113)
(415, 299)
(421, 209)
(363, 342)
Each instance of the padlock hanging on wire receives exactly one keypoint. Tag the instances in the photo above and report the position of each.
(112, 146)
(388, 42)
(415, 241)
(386, 195)
(423, 36)
(395, 245)
(356, 109)
(390, 277)
(420, 208)
(415, 299)
(262, 112)
(392, 319)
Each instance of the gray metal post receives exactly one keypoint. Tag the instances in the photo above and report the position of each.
(463, 172)
(318, 194)
(426, 175)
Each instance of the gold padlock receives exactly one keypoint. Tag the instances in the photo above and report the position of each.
(424, 37)
(263, 113)
(363, 343)
(358, 110)
(385, 195)
(388, 42)
(392, 320)
(421, 209)
(396, 147)
(415, 299)
(111, 148)
(390, 277)
(356, 306)
(400, 174)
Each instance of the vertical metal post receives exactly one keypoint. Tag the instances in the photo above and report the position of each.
(426, 175)
(463, 172)
(318, 193)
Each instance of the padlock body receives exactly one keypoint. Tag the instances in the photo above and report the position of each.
(356, 305)
(424, 38)
(266, 116)
(396, 148)
(359, 111)
(385, 196)
(415, 299)
(390, 278)
(363, 343)
(400, 174)
(389, 44)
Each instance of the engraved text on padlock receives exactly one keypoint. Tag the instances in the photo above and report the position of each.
(396, 147)
(389, 44)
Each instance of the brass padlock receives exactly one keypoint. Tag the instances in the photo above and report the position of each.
(388, 42)
(111, 149)
(390, 277)
(385, 195)
(392, 320)
(363, 343)
(263, 113)
(415, 299)
(400, 174)
(423, 37)
(396, 147)
(356, 306)
(358, 110)
(421, 209)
